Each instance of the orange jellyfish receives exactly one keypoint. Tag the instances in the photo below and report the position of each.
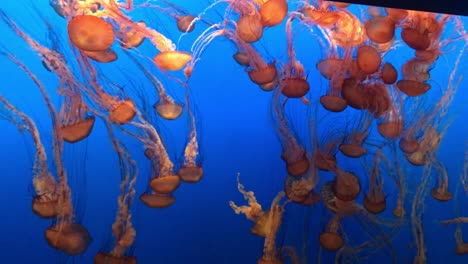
(122, 229)
(75, 125)
(352, 144)
(322, 15)
(294, 154)
(191, 170)
(324, 149)
(300, 190)
(65, 235)
(293, 82)
(272, 12)
(164, 180)
(380, 29)
(330, 239)
(185, 21)
(390, 125)
(249, 26)
(368, 59)
(90, 33)
(45, 200)
(121, 111)
(266, 223)
(374, 200)
(166, 107)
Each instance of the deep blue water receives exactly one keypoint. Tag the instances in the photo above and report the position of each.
(237, 135)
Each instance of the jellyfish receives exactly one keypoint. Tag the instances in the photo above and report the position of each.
(368, 59)
(352, 144)
(272, 12)
(249, 26)
(166, 106)
(123, 230)
(293, 82)
(45, 200)
(76, 125)
(374, 200)
(330, 239)
(90, 33)
(390, 125)
(191, 170)
(300, 190)
(322, 15)
(388, 73)
(294, 154)
(164, 180)
(121, 111)
(129, 38)
(185, 21)
(380, 29)
(65, 235)
(266, 224)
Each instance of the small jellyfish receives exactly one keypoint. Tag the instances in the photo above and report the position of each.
(272, 12)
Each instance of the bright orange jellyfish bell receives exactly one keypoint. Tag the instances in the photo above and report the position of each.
(90, 33)
(78, 131)
(156, 200)
(273, 12)
(172, 60)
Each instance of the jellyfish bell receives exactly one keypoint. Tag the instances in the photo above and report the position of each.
(390, 129)
(105, 56)
(353, 92)
(346, 186)
(375, 206)
(328, 197)
(123, 112)
(185, 24)
(331, 241)
(413, 88)
(71, 238)
(380, 29)
(352, 150)
(157, 200)
(91, 33)
(105, 258)
(263, 75)
(190, 174)
(461, 248)
(168, 110)
(417, 158)
(415, 39)
(329, 67)
(388, 73)
(333, 103)
(78, 131)
(323, 18)
(296, 189)
(298, 166)
(368, 59)
(294, 87)
(325, 162)
(172, 60)
(165, 184)
(130, 38)
(45, 205)
(273, 12)
(268, 87)
(242, 58)
(408, 146)
(441, 195)
(249, 28)
(395, 14)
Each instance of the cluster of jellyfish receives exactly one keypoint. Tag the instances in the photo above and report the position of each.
(396, 125)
